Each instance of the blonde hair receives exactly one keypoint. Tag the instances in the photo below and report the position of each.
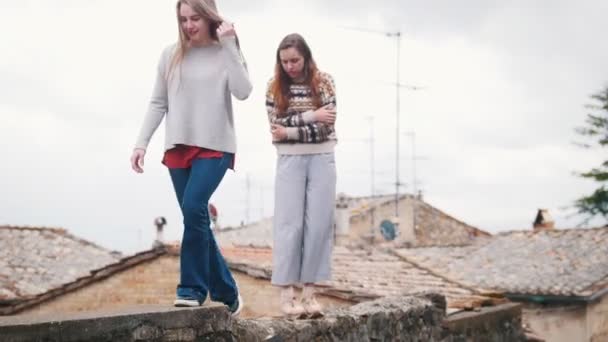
(208, 11)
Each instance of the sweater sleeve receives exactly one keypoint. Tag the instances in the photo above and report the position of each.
(316, 132)
(289, 120)
(158, 105)
(238, 76)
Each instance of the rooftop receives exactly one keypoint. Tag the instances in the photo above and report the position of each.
(560, 262)
(361, 275)
(36, 260)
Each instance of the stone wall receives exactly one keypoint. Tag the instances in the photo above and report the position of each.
(360, 225)
(402, 318)
(597, 320)
(557, 322)
(493, 324)
(151, 282)
(436, 228)
(386, 319)
(432, 227)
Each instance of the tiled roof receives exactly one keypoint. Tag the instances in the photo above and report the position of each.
(257, 234)
(357, 275)
(570, 262)
(436, 228)
(35, 260)
(92, 277)
(360, 275)
(256, 262)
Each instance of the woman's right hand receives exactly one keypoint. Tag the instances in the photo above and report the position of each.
(326, 114)
(137, 160)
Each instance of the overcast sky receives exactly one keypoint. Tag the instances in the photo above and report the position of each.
(504, 86)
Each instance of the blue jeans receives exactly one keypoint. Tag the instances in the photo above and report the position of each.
(202, 267)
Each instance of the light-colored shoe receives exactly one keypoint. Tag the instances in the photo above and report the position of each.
(309, 302)
(186, 302)
(236, 307)
(290, 306)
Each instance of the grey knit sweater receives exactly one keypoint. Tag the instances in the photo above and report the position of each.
(196, 100)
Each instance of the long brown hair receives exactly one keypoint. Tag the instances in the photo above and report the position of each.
(282, 81)
(208, 11)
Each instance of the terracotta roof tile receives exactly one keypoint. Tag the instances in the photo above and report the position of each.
(35, 260)
(360, 274)
(93, 276)
(567, 262)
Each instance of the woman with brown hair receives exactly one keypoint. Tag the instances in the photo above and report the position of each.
(195, 79)
(300, 102)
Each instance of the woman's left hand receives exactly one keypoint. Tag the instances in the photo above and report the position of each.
(226, 30)
(279, 133)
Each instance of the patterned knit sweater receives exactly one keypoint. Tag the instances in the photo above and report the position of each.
(304, 135)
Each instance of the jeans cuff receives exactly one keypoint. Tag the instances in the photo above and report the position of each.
(188, 292)
(228, 299)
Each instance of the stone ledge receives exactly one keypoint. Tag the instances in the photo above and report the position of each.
(396, 318)
(158, 323)
(496, 323)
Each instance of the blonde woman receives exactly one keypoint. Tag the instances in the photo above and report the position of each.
(301, 103)
(196, 78)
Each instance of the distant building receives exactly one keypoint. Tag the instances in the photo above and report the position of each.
(418, 224)
(358, 221)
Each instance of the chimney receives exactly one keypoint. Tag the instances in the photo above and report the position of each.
(160, 223)
(213, 215)
(543, 221)
(342, 215)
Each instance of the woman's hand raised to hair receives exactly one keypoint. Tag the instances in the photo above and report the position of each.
(225, 30)
(137, 160)
(326, 114)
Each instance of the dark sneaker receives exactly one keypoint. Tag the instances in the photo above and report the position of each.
(186, 302)
(236, 307)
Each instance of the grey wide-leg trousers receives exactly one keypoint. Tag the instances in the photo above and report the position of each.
(305, 191)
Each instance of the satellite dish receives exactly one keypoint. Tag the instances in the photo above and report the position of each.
(388, 230)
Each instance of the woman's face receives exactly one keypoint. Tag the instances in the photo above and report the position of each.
(292, 62)
(194, 26)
